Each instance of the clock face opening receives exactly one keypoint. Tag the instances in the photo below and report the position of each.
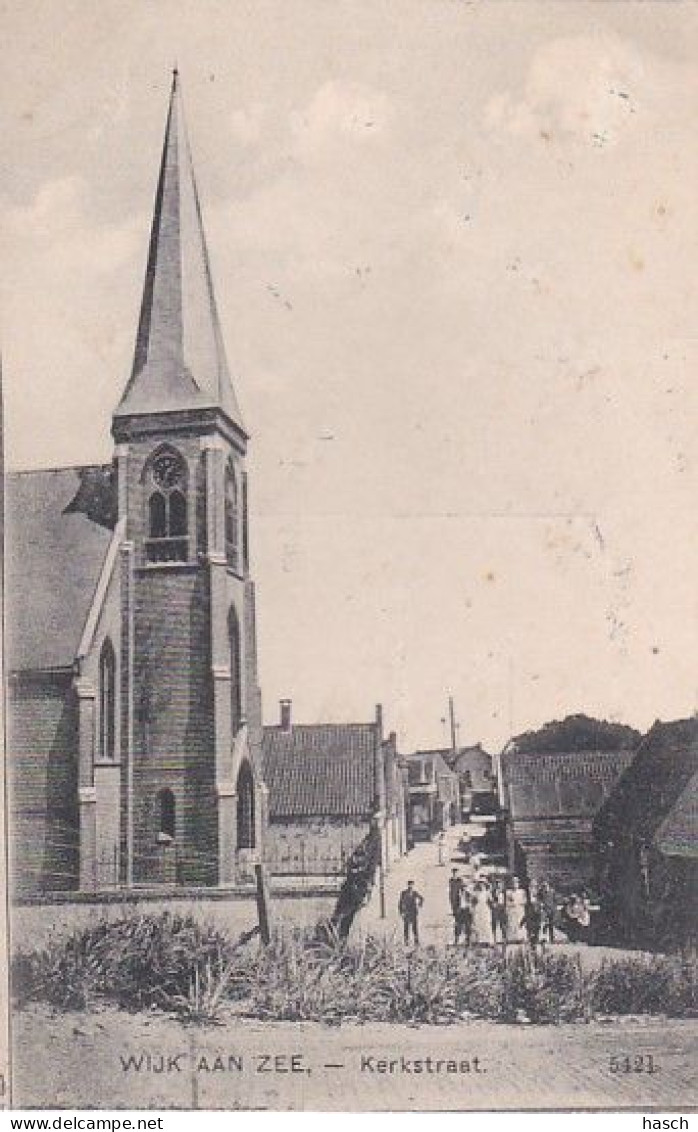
(167, 471)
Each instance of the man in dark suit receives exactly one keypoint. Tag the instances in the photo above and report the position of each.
(409, 904)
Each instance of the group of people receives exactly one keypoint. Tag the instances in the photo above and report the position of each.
(491, 910)
(487, 911)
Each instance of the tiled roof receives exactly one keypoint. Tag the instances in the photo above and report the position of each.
(54, 554)
(643, 797)
(320, 769)
(677, 836)
(521, 769)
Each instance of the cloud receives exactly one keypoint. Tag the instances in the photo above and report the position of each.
(338, 112)
(247, 123)
(57, 228)
(582, 88)
(69, 279)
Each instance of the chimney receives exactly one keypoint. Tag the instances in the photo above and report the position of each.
(379, 722)
(285, 714)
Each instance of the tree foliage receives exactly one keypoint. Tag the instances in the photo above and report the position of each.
(576, 733)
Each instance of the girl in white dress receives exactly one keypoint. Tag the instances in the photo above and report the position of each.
(481, 928)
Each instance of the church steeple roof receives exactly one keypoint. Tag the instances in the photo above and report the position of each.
(179, 359)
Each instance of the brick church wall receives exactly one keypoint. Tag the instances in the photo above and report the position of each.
(173, 723)
(42, 772)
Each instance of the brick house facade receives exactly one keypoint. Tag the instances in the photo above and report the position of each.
(434, 794)
(134, 729)
(330, 784)
(553, 783)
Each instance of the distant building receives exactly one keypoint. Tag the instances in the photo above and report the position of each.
(553, 783)
(434, 794)
(329, 785)
(647, 839)
(474, 767)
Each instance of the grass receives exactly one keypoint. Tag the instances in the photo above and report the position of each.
(176, 964)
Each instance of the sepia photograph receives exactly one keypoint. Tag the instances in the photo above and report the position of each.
(350, 555)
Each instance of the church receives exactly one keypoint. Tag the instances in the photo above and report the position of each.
(134, 732)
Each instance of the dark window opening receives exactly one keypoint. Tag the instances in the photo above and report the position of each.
(178, 514)
(107, 702)
(168, 815)
(245, 532)
(157, 514)
(235, 673)
(245, 808)
(232, 519)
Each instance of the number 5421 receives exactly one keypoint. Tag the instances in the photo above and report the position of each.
(635, 1063)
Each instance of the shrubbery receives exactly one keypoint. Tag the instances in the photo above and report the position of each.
(660, 984)
(176, 964)
(167, 961)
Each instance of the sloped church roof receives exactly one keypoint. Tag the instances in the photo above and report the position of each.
(58, 533)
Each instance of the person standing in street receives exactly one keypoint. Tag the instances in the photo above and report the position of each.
(515, 908)
(548, 905)
(455, 892)
(533, 915)
(499, 919)
(466, 914)
(408, 906)
(481, 929)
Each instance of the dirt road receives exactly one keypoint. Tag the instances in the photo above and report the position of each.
(115, 1060)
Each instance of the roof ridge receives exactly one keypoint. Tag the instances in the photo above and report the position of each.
(55, 468)
(294, 726)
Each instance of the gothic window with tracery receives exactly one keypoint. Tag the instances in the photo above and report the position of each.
(167, 509)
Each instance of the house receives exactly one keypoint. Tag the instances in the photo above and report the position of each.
(329, 785)
(647, 839)
(553, 783)
(474, 767)
(434, 794)
(134, 712)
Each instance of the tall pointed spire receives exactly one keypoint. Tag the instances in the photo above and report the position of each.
(179, 360)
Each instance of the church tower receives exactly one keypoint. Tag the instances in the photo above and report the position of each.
(192, 797)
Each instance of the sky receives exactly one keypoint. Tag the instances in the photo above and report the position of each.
(454, 248)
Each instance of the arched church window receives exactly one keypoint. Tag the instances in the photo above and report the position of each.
(178, 514)
(167, 508)
(107, 702)
(245, 531)
(232, 518)
(157, 514)
(167, 816)
(245, 808)
(235, 673)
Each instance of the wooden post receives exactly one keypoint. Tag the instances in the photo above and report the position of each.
(263, 917)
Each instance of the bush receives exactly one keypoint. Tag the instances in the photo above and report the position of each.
(665, 984)
(545, 988)
(167, 961)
